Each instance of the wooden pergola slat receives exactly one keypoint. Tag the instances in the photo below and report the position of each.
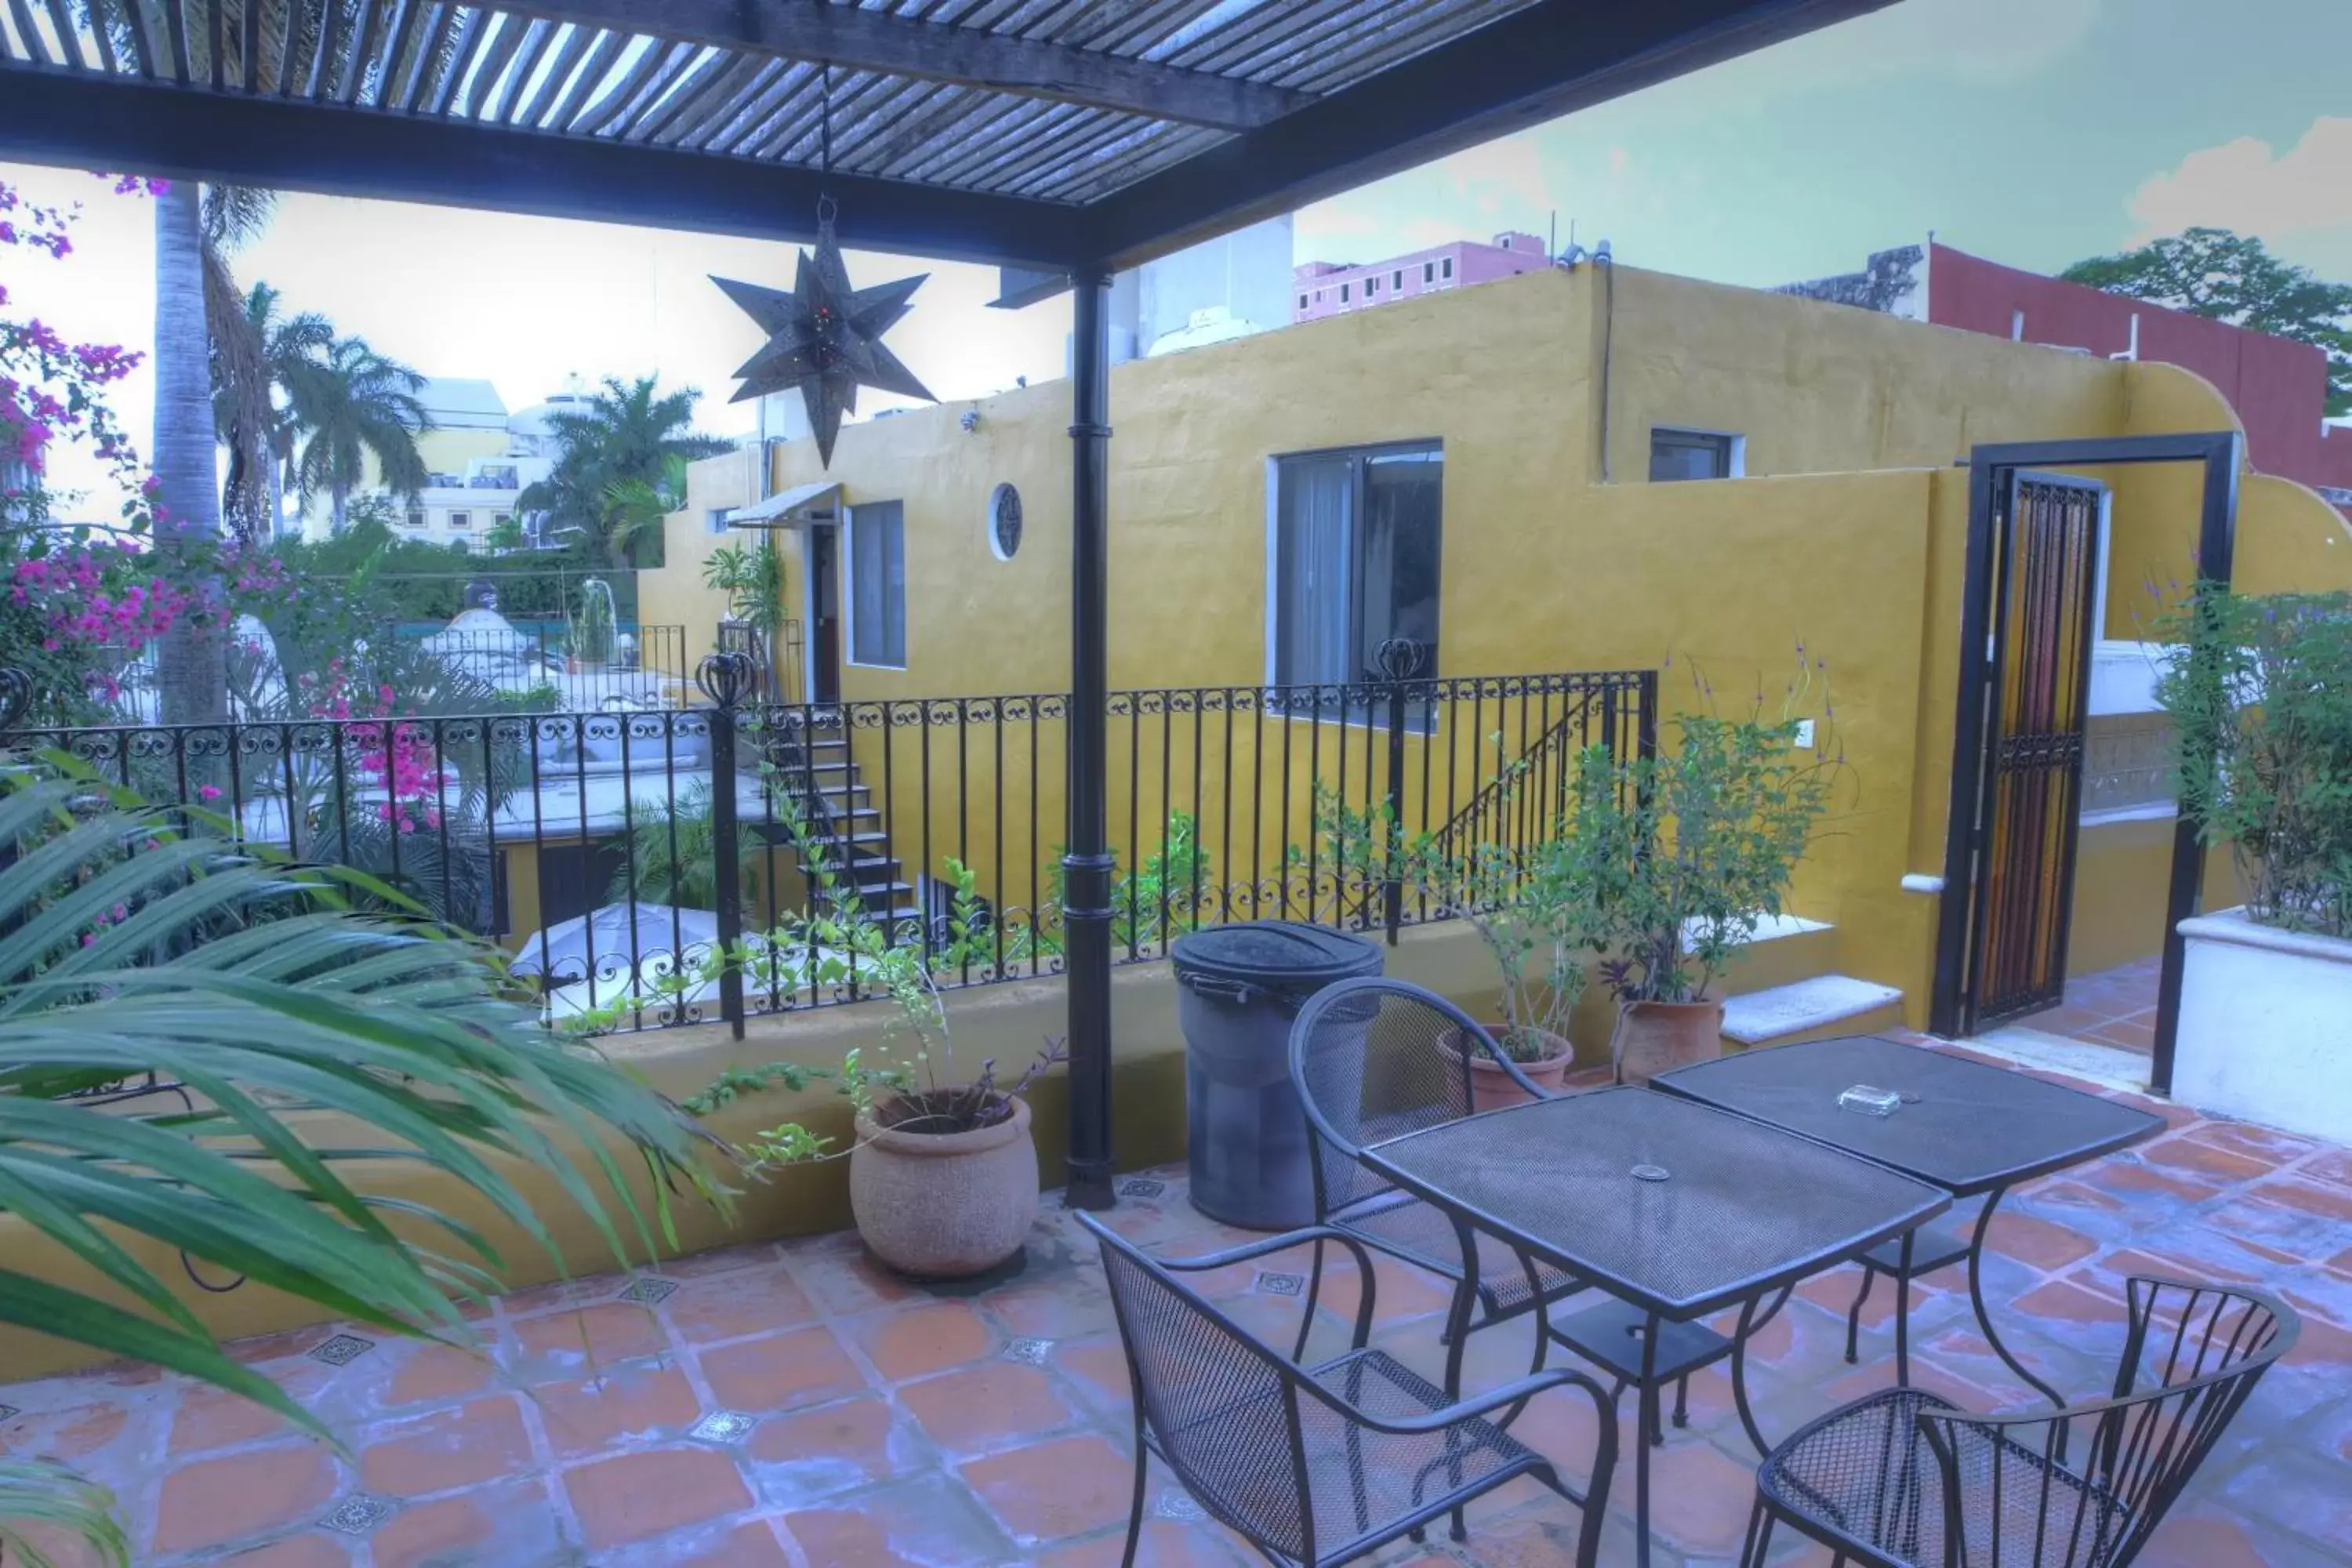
(932, 51)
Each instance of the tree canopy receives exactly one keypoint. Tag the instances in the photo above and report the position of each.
(2232, 277)
(624, 435)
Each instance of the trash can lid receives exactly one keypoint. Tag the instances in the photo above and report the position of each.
(1283, 953)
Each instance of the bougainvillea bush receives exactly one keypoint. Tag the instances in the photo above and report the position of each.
(76, 594)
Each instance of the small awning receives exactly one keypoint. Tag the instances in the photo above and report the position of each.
(784, 509)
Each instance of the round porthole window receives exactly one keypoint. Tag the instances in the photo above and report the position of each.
(1004, 522)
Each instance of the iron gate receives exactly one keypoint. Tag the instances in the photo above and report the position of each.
(2038, 679)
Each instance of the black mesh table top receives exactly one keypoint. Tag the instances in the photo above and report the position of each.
(1965, 1126)
(1665, 1202)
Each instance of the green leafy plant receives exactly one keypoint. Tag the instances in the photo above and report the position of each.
(2262, 741)
(1527, 904)
(909, 1083)
(674, 852)
(137, 940)
(1682, 852)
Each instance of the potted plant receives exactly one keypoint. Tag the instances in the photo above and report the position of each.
(1525, 906)
(2262, 738)
(1679, 853)
(942, 1173)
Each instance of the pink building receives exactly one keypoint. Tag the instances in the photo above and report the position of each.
(2279, 387)
(1330, 288)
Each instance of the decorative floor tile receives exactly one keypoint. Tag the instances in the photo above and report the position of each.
(342, 1350)
(867, 1423)
(357, 1514)
(722, 1426)
(648, 1291)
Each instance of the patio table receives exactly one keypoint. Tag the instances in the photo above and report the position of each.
(1677, 1210)
(1973, 1130)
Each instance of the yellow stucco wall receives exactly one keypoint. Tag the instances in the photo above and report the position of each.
(672, 594)
(1545, 567)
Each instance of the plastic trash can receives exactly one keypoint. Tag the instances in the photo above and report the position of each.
(1238, 987)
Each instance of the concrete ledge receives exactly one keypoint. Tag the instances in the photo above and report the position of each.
(1008, 1023)
(1786, 1011)
(2234, 926)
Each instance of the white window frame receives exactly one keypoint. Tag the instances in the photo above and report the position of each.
(847, 567)
(461, 520)
(1736, 459)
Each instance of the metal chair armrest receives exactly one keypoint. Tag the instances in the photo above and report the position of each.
(1301, 1237)
(1469, 1409)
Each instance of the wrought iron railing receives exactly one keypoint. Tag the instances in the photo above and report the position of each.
(615, 855)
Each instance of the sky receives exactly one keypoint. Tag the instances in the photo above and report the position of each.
(2033, 132)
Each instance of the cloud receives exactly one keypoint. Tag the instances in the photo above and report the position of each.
(1979, 42)
(1508, 173)
(2246, 187)
(1339, 218)
(1423, 233)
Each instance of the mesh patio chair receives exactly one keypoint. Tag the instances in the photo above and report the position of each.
(1366, 1058)
(1315, 1464)
(1904, 1478)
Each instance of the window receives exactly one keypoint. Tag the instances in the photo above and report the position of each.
(1356, 549)
(460, 520)
(877, 585)
(1445, 268)
(1429, 272)
(416, 518)
(1372, 286)
(500, 519)
(1396, 282)
(1004, 522)
(1343, 292)
(715, 520)
(1302, 302)
(1692, 455)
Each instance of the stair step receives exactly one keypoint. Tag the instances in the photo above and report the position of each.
(1785, 1010)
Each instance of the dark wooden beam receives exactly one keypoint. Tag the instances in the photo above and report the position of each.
(1533, 65)
(89, 123)
(934, 51)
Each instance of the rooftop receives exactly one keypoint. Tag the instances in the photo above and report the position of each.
(787, 1403)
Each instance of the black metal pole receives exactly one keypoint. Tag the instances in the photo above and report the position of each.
(1087, 862)
(2217, 549)
(725, 679)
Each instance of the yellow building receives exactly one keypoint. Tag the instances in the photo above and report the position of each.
(479, 456)
(1486, 472)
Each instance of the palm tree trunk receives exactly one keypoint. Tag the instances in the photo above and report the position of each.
(343, 496)
(192, 674)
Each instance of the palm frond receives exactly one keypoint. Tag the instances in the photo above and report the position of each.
(139, 942)
(43, 1502)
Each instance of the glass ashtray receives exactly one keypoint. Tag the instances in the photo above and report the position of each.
(1868, 1102)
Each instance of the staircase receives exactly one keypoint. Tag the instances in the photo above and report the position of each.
(816, 767)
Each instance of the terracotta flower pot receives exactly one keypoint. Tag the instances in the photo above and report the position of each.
(1653, 1038)
(946, 1204)
(1492, 1089)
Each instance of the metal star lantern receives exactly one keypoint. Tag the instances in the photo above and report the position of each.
(826, 338)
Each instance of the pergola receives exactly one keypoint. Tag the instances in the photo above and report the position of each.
(1062, 139)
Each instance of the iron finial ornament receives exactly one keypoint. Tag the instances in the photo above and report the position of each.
(1399, 659)
(727, 677)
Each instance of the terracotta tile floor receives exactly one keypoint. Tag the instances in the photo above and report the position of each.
(2112, 1007)
(786, 1403)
